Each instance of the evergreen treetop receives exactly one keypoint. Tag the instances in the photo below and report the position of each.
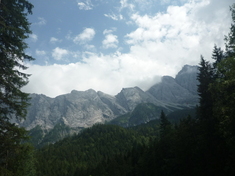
(14, 29)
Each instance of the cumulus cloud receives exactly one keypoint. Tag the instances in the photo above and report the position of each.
(84, 37)
(110, 41)
(59, 53)
(98, 72)
(180, 35)
(86, 5)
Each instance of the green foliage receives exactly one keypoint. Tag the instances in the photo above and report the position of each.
(143, 113)
(165, 126)
(193, 146)
(16, 157)
(36, 136)
(149, 130)
(230, 38)
(122, 120)
(86, 150)
(176, 116)
(224, 95)
(205, 78)
(14, 29)
(40, 137)
(223, 91)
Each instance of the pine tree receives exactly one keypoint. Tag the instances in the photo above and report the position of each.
(209, 140)
(223, 90)
(205, 78)
(14, 29)
(165, 125)
(217, 56)
(230, 38)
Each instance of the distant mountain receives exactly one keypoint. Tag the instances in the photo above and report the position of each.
(181, 90)
(82, 109)
(76, 109)
(187, 78)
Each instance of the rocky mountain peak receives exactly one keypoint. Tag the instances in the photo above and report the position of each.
(179, 90)
(187, 78)
(131, 97)
(187, 69)
(167, 79)
(85, 108)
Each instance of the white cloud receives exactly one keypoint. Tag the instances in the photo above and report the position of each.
(33, 37)
(180, 35)
(41, 21)
(68, 35)
(96, 71)
(160, 45)
(54, 40)
(86, 36)
(90, 47)
(110, 41)
(108, 31)
(86, 5)
(125, 4)
(59, 53)
(165, 1)
(40, 52)
(114, 17)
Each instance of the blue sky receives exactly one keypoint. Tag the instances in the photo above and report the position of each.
(108, 45)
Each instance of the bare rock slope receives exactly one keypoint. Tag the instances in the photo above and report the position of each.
(85, 108)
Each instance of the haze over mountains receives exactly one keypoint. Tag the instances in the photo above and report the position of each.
(84, 108)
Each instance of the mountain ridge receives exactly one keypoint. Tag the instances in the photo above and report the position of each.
(82, 109)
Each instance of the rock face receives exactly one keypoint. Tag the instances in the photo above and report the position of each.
(129, 98)
(187, 78)
(85, 108)
(76, 109)
(170, 91)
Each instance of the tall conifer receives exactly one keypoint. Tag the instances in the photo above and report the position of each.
(14, 29)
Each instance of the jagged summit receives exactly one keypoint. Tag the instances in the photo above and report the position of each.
(168, 90)
(85, 108)
(187, 78)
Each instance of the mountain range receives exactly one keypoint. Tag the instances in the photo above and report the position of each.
(82, 109)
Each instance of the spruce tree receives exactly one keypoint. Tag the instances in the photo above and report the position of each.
(14, 29)
(165, 125)
(223, 90)
(209, 141)
(217, 56)
(205, 78)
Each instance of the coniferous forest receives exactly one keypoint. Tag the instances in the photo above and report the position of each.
(203, 144)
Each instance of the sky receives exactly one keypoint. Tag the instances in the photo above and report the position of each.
(108, 45)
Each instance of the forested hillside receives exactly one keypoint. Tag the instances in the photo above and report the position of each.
(149, 140)
(200, 145)
(79, 154)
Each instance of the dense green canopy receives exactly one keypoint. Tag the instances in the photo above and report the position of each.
(14, 29)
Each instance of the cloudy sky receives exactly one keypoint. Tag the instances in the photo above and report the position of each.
(108, 45)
